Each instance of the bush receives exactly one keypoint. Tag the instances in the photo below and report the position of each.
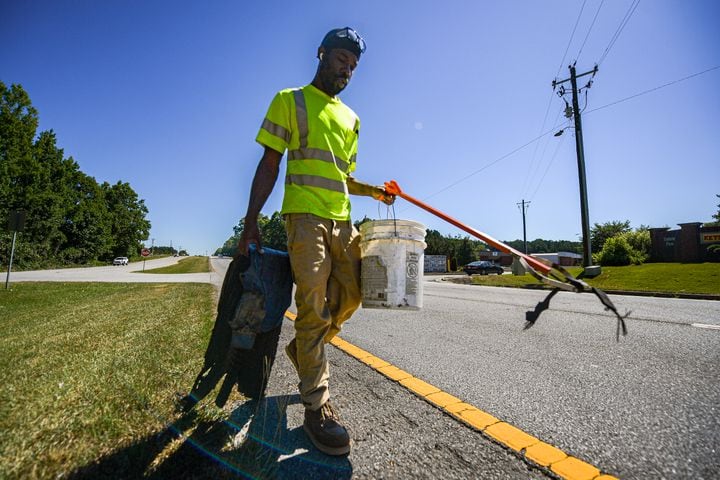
(617, 252)
(640, 243)
(625, 248)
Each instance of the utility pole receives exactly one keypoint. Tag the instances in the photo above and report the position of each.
(525, 206)
(590, 269)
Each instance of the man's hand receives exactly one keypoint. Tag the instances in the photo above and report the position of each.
(381, 195)
(357, 187)
(250, 234)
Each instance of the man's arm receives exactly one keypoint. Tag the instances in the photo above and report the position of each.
(262, 186)
(357, 187)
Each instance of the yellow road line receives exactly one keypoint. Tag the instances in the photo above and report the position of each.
(533, 449)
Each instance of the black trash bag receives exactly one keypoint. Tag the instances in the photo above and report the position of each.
(256, 292)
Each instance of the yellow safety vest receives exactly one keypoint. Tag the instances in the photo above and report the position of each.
(320, 134)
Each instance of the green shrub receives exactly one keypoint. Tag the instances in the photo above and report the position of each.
(640, 243)
(616, 252)
(627, 248)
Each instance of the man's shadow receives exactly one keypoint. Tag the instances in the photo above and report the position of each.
(254, 442)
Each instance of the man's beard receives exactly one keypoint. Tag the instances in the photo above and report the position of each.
(333, 84)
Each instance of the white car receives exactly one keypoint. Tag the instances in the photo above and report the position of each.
(120, 261)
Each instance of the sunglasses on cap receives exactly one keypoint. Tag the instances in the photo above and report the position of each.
(343, 35)
(351, 34)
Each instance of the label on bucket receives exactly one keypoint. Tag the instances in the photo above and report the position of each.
(412, 272)
(374, 277)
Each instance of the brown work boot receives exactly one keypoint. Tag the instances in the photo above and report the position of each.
(325, 430)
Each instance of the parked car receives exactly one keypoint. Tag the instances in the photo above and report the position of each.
(121, 261)
(483, 267)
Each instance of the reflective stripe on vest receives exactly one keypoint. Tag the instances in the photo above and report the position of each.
(315, 181)
(318, 154)
(277, 130)
(301, 114)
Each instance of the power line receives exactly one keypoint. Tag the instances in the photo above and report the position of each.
(654, 89)
(554, 129)
(532, 167)
(535, 168)
(485, 167)
(621, 27)
(589, 30)
(547, 169)
(571, 38)
(534, 155)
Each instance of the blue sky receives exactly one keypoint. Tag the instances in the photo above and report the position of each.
(168, 96)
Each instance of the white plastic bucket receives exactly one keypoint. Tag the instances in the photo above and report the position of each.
(392, 263)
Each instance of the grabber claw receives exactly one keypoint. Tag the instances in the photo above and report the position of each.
(546, 272)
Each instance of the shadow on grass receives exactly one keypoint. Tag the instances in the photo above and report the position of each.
(255, 442)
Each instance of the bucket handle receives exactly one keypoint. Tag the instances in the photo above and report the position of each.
(394, 217)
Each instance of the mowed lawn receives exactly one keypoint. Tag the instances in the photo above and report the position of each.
(92, 369)
(185, 265)
(667, 278)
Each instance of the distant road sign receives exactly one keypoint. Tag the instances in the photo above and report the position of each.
(145, 252)
(16, 220)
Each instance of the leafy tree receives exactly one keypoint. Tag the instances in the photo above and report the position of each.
(272, 231)
(640, 242)
(128, 225)
(465, 251)
(540, 245)
(599, 233)
(360, 222)
(18, 124)
(51, 196)
(87, 223)
(436, 243)
(716, 217)
(460, 250)
(70, 218)
(162, 250)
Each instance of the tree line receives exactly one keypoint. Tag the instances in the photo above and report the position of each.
(613, 243)
(459, 250)
(70, 217)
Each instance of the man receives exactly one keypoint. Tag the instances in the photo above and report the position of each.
(321, 135)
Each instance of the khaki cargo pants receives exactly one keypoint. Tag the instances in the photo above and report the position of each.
(325, 260)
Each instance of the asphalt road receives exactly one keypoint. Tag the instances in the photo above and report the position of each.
(132, 273)
(646, 407)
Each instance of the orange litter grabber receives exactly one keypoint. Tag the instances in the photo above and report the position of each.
(547, 272)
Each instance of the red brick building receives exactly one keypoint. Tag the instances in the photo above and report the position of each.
(689, 244)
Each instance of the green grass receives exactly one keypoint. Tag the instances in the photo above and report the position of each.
(90, 369)
(671, 278)
(185, 265)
